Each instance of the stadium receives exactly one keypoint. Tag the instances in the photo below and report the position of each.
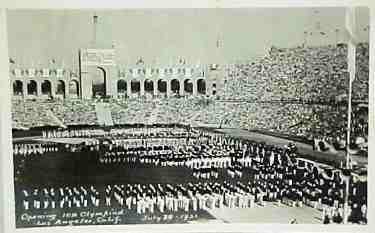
(263, 140)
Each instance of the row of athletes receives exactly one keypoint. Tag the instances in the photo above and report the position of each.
(205, 142)
(191, 196)
(27, 149)
(60, 197)
(194, 156)
(118, 132)
(298, 184)
(30, 150)
(73, 133)
(144, 199)
(165, 159)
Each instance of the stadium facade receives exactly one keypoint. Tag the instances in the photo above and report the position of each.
(137, 80)
(133, 81)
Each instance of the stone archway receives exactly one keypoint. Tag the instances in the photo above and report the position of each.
(60, 88)
(74, 88)
(135, 86)
(162, 86)
(175, 86)
(122, 87)
(32, 88)
(201, 86)
(149, 86)
(98, 73)
(188, 86)
(99, 83)
(18, 88)
(46, 88)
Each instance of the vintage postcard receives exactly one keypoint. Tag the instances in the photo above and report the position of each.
(189, 116)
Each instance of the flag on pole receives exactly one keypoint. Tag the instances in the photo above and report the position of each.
(351, 60)
(350, 26)
(351, 40)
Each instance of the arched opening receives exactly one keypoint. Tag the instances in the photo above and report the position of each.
(162, 86)
(60, 88)
(17, 87)
(135, 86)
(149, 86)
(175, 86)
(188, 86)
(99, 83)
(46, 88)
(201, 86)
(122, 87)
(32, 88)
(73, 88)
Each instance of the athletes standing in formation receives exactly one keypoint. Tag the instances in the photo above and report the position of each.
(228, 172)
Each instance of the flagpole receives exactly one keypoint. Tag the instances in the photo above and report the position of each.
(350, 24)
(349, 123)
(347, 177)
(351, 69)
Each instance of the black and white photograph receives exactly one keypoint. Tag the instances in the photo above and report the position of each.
(189, 116)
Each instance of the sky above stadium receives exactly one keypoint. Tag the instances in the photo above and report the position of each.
(162, 36)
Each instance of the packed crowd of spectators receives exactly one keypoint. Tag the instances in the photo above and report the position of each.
(309, 74)
(75, 112)
(291, 91)
(307, 121)
(27, 114)
(361, 83)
